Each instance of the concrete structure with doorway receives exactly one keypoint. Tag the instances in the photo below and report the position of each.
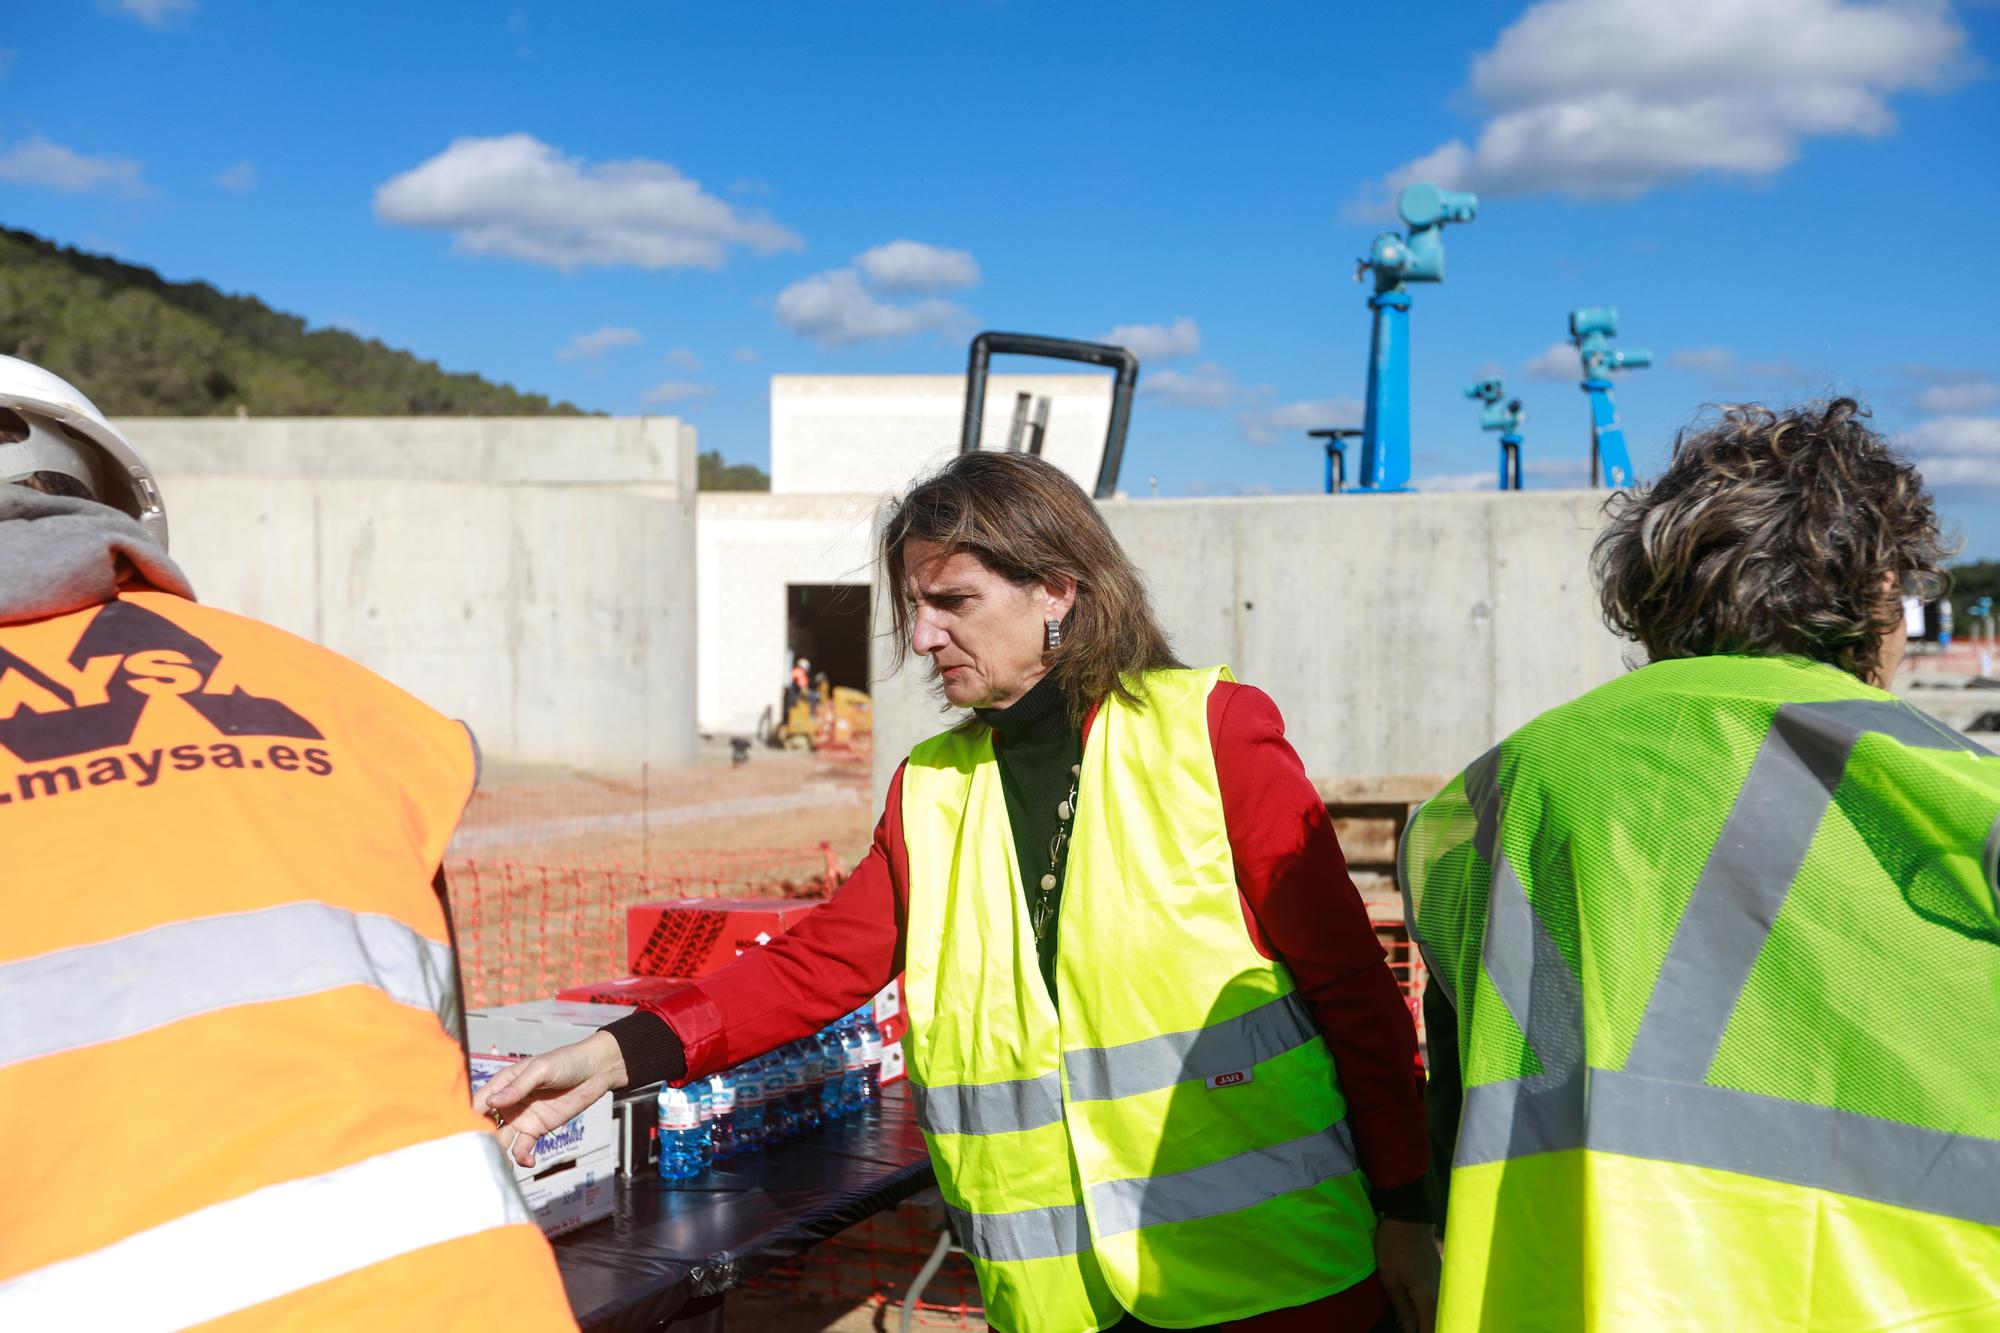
(534, 576)
(789, 572)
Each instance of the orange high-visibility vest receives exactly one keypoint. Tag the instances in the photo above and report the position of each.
(231, 1087)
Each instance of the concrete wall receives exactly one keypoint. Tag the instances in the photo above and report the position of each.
(1397, 634)
(536, 578)
(853, 434)
(564, 451)
(751, 546)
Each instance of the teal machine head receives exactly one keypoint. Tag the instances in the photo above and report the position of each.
(1506, 417)
(1393, 261)
(1591, 329)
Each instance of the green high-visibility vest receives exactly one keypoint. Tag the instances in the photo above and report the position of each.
(1170, 1140)
(1723, 943)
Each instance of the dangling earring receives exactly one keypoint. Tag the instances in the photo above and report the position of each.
(1055, 635)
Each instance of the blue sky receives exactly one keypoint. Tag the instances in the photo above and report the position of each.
(654, 208)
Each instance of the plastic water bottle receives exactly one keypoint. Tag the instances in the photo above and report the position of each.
(833, 1086)
(749, 1081)
(684, 1146)
(776, 1089)
(853, 1093)
(722, 1123)
(793, 1118)
(871, 1060)
(812, 1114)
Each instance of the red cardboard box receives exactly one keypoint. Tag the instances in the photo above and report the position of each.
(694, 937)
(639, 992)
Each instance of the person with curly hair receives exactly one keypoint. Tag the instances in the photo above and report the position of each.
(1714, 949)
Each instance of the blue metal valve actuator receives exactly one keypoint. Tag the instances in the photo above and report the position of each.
(1393, 261)
(1505, 417)
(1591, 329)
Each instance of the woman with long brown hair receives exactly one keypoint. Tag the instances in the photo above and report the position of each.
(1164, 1072)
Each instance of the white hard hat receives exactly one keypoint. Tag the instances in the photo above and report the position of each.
(68, 435)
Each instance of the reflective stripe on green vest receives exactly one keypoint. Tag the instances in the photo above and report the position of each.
(1724, 946)
(1172, 1142)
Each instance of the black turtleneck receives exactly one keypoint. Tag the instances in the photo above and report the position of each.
(1036, 743)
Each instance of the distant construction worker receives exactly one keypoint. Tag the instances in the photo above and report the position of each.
(1163, 1069)
(230, 1075)
(1716, 944)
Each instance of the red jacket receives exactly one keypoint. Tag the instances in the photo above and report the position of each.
(1299, 906)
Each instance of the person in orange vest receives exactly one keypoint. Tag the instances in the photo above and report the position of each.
(230, 1060)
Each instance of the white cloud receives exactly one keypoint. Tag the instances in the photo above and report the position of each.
(677, 391)
(1612, 98)
(683, 358)
(155, 13)
(1453, 482)
(835, 309)
(1710, 361)
(1952, 397)
(42, 162)
(1267, 424)
(907, 267)
(242, 176)
(516, 196)
(593, 345)
(744, 355)
(1158, 342)
(1557, 361)
(1207, 385)
(1958, 454)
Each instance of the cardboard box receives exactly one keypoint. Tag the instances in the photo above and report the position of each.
(695, 937)
(892, 1064)
(570, 1183)
(536, 1026)
(573, 1195)
(634, 992)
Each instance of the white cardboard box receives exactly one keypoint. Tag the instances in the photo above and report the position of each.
(571, 1181)
(536, 1026)
(573, 1194)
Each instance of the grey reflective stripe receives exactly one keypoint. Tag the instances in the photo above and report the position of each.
(1992, 859)
(1817, 1147)
(1105, 1073)
(1750, 870)
(1033, 1233)
(1534, 981)
(101, 992)
(1227, 1186)
(1482, 794)
(989, 1108)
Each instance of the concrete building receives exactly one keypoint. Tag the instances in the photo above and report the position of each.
(789, 573)
(534, 576)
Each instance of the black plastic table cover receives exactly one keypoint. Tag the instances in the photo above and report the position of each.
(672, 1242)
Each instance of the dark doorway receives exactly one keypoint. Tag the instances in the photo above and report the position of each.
(827, 624)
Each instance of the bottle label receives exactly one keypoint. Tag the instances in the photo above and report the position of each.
(678, 1110)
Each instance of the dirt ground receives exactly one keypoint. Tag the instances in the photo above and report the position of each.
(777, 799)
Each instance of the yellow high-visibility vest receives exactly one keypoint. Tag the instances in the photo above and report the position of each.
(1724, 948)
(1169, 1140)
(229, 1061)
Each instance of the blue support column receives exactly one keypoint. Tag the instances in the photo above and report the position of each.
(1510, 453)
(1609, 457)
(1385, 432)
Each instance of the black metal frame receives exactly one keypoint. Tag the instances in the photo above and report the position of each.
(990, 344)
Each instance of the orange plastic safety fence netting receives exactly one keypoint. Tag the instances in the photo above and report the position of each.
(526, 930)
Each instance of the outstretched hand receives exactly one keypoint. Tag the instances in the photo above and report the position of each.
(1406, 1256)
(540, 1094)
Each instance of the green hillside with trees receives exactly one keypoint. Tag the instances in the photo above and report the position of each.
(142, 346)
